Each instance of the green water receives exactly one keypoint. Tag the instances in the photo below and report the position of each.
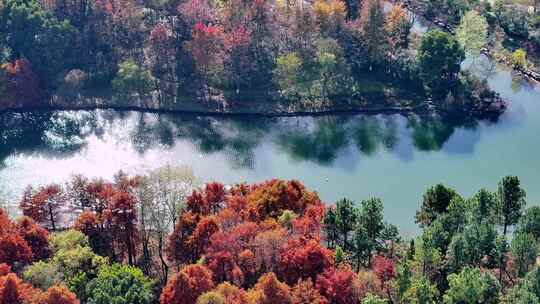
(392, 157)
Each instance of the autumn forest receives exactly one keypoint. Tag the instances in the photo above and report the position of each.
(391, 97)
(237, 56)
(164, 238)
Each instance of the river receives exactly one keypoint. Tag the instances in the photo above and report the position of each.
(391, 157)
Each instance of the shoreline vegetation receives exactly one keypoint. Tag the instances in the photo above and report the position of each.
(490, 110)
(165, 237)
(267, 58)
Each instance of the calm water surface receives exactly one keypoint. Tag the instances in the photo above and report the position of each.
(392, 157)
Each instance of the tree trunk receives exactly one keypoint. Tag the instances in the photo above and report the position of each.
(146, 255)
(501, 269)
(164, 266)
(51, 217)
(129, 247)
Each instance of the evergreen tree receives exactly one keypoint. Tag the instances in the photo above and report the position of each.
(511, 201)
(524, 249)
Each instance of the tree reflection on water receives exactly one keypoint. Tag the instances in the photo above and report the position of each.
(318, 139)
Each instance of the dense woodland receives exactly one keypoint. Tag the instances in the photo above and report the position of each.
(232, 53)
(165, 238)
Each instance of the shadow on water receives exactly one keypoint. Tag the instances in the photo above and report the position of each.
(317, 139)
(54, 134)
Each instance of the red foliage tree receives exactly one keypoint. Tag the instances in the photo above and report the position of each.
(369, 283)
(215, 196)
(79, 199)
(302, 259)
(22, 84)
(5, 222)
(232, 294)
(187, 285)
(58, 295)
(208, 201)
(35, 236)
(180, 249)
(10, 291)
(305, 293)
(310, 224)
(240, 62)
(14, 250)
(44, 206)
(124, 182)
(28, 206)
(271, 198)
(268, 245)
(237, 203)
(14, 291)
(204, 230)
(197, 204)
(161, 50)
(206, 40)
(244, 234)
(99, 195)
(159, 34)
(88, 222)
(384, 268)
(224, 268)
(241, 189)
(235, 240)
(228, 218)
(206, 47)
(4, 269)
(339, 285)
(196, 11)
(121, 216)
(17, 241)
(91, 224)
(248, 264)
(272, 290)
(238, 243)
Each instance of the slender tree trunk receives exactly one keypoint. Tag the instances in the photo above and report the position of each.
(146, 255)
(389, 295)
(51, 217)
(145, 240)
(164, 266)
(501, 269)
(129, 243)
(509, 276)
(113, 251)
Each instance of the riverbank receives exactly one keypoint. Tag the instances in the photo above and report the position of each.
(289, 84)
(489, 108)
(381, 110)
